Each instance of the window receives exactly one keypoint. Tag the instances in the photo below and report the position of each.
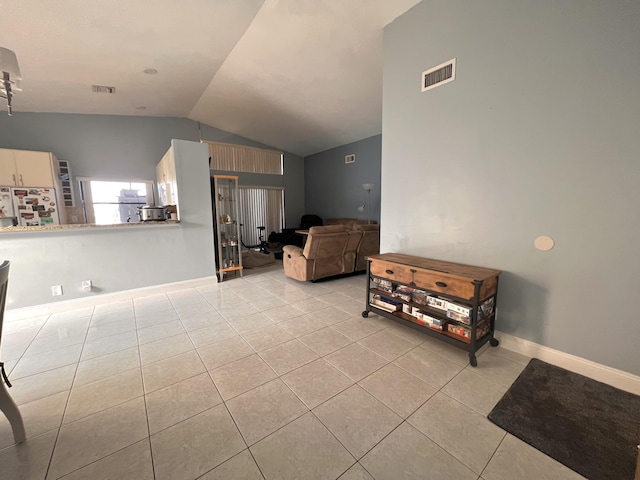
(107, 202)
(260, 206)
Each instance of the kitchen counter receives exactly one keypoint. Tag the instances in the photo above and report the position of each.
(89, 226)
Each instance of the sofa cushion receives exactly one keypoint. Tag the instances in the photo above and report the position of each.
(369, 245)
(328, 229)
(326, 242)
(355, 237)
(350, 223)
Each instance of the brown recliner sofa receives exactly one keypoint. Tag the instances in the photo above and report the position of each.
(369, 240)
(369, 245)
(350, 223)
(323, 254)
(351, 252)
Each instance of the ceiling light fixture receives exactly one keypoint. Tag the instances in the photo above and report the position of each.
(10, 81)
(150, 71)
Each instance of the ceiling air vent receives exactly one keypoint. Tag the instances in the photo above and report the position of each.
(436, 76)
(350, 158)
(102, 89)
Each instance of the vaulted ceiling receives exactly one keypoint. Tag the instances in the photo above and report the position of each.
(300, 75)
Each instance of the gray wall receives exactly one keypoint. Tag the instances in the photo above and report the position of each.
(537, 135)
(112, 146)
(118, 258)
(121, 258)
(333, 189)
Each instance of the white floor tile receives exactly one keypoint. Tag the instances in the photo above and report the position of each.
(356, 361)
(107, 345)
(397, 389)
(39, 416)
(28, 461)
(475, 391)
(177, 402)
(42, 362)
(316, 382)
(195, 446)
(304, 449)
(133, 462)
(465, 434)
(407, 454)
(288, 356)
(498, 368)
(241, 376)
(261, 411)
(106, 366)
(171, 370)
(387, 345)
(192, 349)
(92, 438)
(240, 467)
(225, 351)
(531, 464)
(325, 341)
(357, 472)
(427, 366)
(42, 385)
(165, 348)
(266, 337)
(94, 397)
(357, 419)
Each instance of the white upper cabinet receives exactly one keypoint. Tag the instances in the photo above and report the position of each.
(25, 168)
(7, 168)
(166, 178)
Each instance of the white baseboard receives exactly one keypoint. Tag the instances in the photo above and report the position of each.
(611, 376)
(92, 300)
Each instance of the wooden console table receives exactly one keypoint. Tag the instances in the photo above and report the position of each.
(453, 302)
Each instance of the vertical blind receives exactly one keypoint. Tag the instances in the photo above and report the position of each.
(238, 158)
(260, 206)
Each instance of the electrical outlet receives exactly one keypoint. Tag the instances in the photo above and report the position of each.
(86, 285)
(56, 290)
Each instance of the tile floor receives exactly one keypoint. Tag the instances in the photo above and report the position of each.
(256, 377)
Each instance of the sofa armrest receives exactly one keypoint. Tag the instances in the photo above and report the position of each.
(291, 251)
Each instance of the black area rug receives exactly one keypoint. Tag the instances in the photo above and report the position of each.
(588, 426)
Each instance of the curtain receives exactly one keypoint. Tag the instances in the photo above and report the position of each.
(260, 206)
(237, 158)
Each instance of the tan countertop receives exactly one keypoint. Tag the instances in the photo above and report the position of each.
(88, 226)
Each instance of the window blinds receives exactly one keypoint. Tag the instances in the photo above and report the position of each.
(260, 206)
(238, 158)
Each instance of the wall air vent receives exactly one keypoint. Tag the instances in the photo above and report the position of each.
(436, 76)
(350, 158)
(103, 89)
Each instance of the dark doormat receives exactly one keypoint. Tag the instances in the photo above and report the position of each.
(588, 426)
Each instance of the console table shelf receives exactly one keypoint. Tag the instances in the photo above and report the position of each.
(453, 302)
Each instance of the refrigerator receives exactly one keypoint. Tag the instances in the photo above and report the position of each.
(34, 206)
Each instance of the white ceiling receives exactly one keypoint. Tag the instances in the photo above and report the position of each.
(300, 75)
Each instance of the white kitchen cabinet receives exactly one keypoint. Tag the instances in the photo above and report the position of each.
(166, 179)
(26, 168)
(7, 168)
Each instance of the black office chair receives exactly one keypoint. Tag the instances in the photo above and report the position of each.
(7, 405)
(288, 235)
